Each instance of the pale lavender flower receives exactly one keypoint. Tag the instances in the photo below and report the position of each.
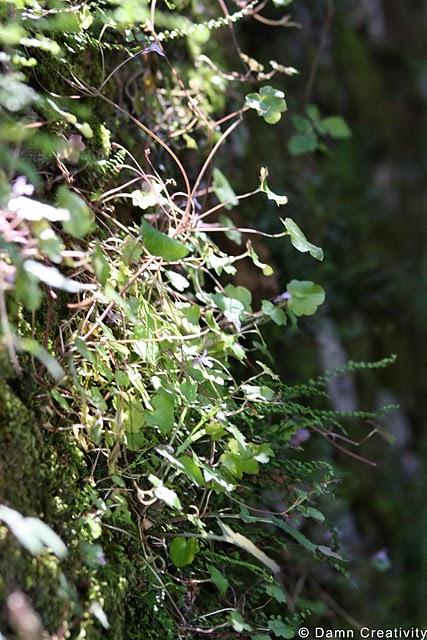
(21, 187)
(301, 436)
(282, 297)
(381, 560)
(154, 47)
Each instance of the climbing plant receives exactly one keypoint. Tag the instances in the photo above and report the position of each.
(167, 492)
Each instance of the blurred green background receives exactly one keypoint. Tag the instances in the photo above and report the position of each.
(364, 201)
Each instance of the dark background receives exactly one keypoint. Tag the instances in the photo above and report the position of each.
(364, 202)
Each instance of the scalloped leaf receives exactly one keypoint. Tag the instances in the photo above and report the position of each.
(305, 298)
(269, 103)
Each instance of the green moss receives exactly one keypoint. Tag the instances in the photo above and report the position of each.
(45, 474)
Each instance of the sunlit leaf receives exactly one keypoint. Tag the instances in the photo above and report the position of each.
(38, 351)
(85, 17)
(269, 103)
(98, 612)
(220, 263)
(266, 268)
(85, 129)
(178, 281)
(14, 93)
(164, 493)
(232, 308)
(279, 200)
(33, 534)
(30, 209)
(247, 545)
(42, 43)
(238, 623)
(49, 242)
(150, 197)
(239, 293)
(299, 240)
(52, 277)
(254, 392)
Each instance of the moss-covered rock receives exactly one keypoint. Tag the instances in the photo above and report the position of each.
(44, 474)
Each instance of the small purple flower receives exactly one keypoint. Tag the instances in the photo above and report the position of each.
(21, 187)
(381, 560)
(301, 436)
(101, 558)
(204, 359)
(283, 296)
(113, 318)
(154, 47)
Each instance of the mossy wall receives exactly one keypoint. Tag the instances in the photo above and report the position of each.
(44, 474)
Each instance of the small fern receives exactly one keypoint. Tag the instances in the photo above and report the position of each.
(210, 25)
(112, 166)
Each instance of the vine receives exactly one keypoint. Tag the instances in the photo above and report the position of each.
(183, 494)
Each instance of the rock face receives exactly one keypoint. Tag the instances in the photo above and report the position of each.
(44, 474)
(26, 465)
(341, 389)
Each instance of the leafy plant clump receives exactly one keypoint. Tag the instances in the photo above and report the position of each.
(180, 503)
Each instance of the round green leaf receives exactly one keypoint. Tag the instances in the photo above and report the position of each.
(269, 103)
(305, 297)
(182, 551)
